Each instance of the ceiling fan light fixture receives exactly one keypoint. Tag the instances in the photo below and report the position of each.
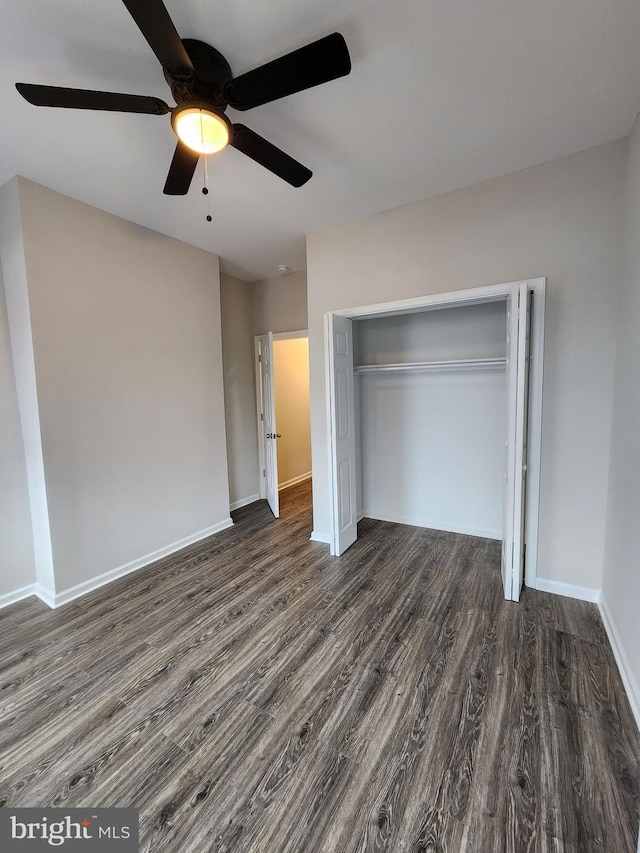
(201, 129)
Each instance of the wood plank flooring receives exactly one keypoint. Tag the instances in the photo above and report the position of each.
(252, 693)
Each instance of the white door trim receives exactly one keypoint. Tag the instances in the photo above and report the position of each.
(458, 298)
(470, 296)
(290, 336)
(538, 287)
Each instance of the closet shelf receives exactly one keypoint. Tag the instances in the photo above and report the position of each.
(416, 366)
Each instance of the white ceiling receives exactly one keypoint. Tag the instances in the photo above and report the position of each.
(442, 94)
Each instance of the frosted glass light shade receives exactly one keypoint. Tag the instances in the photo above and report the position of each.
(201, 130)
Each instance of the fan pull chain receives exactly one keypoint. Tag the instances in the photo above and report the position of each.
(205, 188)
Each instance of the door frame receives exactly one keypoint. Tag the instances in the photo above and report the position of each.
(459, 298)
(276, 336)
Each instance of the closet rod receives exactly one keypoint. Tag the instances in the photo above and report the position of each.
(453, 364)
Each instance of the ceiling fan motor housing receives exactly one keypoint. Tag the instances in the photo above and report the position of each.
(206, 84)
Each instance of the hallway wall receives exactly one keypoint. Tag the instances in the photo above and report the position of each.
(291, 385)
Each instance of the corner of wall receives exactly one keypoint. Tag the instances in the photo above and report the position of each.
(12, 257)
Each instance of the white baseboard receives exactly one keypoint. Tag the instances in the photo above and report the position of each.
(45, 595)
(626, 674)
(17, 595)
(81, 589)
(432, 525)
(294, 481)
(244, 502)
(582, 593)
(316, 536)
(25, 592)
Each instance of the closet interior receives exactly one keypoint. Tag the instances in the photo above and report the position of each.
(430, 395)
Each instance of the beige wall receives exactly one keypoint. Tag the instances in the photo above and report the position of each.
(621, 588)
(126, 337)
(17, 566)
(291, 385)
(562, 220)
(280, 304)
(239, 389)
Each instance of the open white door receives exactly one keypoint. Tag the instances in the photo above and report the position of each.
(268, 421)
(513, 544)
(342, 438)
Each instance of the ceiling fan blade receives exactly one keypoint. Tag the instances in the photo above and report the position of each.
(181, 170)
(156, 26)
(87, 99)
(269, 156)
(318, 62)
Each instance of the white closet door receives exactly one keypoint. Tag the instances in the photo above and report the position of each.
(342, 438)
(513, 545)
(269, 423)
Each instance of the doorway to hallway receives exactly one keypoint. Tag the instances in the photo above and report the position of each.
(282, 401)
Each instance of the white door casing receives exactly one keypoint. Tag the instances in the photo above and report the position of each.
(506, 562)
(537, 292)
(342, 439)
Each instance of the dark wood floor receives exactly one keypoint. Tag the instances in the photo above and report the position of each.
(254, 694)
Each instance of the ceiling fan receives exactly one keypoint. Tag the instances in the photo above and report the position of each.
(203, 87)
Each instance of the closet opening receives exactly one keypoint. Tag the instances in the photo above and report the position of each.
(434, 409)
